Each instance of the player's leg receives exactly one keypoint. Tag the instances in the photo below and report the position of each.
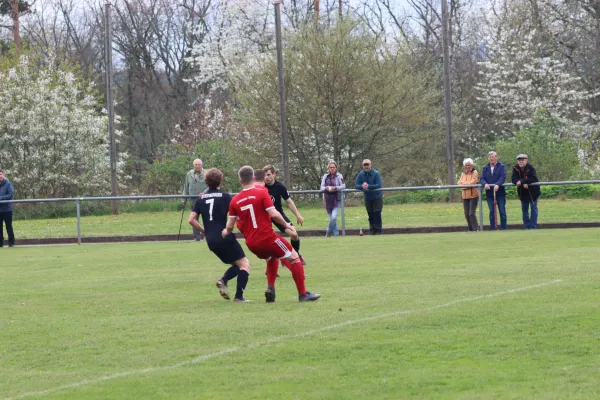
(231, 273)
(297, 270)
(229, 252)
(242, 279)
(272, 268)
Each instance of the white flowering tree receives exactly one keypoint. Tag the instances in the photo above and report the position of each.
(519, 80)
(234, 32)
(53, 131)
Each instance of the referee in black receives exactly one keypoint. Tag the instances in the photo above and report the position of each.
(278, 191)
(213, 206)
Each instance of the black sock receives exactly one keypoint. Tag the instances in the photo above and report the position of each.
(231, 273)
(242, 281)
(296, 244)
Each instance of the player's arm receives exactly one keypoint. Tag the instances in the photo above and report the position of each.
(194, 223)
(276, 216)
(292, 206)
(229, 226)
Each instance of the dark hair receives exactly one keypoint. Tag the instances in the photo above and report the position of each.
(246, 174)
(213, 178)
(259, 175)
(268, 168)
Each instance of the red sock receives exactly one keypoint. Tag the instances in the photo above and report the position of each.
(272, 268)
(297, 271)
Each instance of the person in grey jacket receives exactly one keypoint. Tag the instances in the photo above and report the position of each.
(7, 192)
(368, 180)
(332, 184)
(193, 186)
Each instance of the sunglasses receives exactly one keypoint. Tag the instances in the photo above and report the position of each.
(366, 164)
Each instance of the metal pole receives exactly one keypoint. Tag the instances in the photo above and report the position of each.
(282, 117)
(343, 214)
(77, 202)
(480, 211)
(448, 99)
(110, 105)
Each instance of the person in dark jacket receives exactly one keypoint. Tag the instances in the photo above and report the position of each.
(523, 176)
(7, 192)
(368, 180)
(492, 178)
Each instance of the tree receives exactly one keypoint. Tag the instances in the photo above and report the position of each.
(519, 80)
(52, 134)
(14, 8)
(349, 96)
(554, 158)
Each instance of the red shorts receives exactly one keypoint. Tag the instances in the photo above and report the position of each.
(273, 246)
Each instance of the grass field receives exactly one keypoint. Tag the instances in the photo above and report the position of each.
(394, 216)
(511, 315)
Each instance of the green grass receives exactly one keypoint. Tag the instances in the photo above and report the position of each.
(402, 316)
(397, 215)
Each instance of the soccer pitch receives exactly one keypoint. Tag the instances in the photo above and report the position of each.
(511, 314)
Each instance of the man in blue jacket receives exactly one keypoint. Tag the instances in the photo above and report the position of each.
(6, 193)
(492, 178)
(368, 180)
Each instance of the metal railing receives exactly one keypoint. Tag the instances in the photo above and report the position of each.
(78, 200)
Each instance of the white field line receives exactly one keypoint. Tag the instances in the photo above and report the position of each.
(276, 339)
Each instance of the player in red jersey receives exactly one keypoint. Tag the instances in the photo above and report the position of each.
(253, 210)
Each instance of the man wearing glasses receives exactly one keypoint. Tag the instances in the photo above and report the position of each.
(368, 180)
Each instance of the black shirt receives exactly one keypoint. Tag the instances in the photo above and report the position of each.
(278, 191)
(213, 206)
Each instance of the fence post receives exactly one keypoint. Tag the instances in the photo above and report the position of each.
(77, 202)
(480, 210)
(343, 214)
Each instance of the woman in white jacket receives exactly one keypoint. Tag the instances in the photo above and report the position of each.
(332, 185)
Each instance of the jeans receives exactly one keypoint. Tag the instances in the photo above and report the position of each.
(6, 217)
(529, 221)
(501, 200)
(470, 208)
(332, 226)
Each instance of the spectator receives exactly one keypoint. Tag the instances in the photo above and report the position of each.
(7, 192)
(470, 195)
(193, 186)
(368, 180)
(523, 176)
(332, 185)
(493, 177)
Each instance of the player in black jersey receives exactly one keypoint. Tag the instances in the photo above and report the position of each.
(278, 191)
(213, 206)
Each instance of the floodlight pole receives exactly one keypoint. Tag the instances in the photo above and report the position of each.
(110, 105)
(282, 117)
(448, 99)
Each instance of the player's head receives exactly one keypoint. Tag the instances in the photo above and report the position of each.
(269, 174)
(259, 176)
(246, 174)
(213, 178)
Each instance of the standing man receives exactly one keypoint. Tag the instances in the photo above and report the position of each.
(493, 177)
(278, 191)
(253, 210)
(213, 205)
(194, 185)
(368, 180)
(523, 176)
(7, 192)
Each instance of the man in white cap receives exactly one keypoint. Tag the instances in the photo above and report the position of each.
(523, 176)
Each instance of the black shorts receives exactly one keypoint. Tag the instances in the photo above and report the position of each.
(228, 251)
(279, 226)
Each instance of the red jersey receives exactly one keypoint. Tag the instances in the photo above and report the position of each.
(250, 207)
